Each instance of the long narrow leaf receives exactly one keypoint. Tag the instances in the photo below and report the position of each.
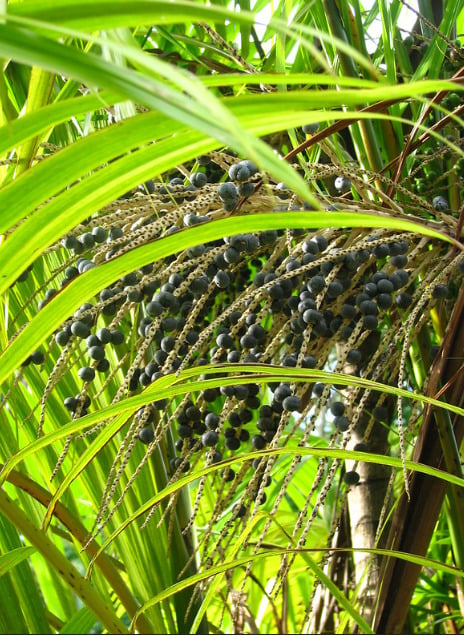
(9, 560)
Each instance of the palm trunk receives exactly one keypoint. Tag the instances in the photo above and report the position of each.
(366, 504)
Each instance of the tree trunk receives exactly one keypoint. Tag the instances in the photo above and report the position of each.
(366, 504)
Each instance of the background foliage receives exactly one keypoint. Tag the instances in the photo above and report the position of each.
(231, 321)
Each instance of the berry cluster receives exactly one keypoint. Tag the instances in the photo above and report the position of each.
(325, 300)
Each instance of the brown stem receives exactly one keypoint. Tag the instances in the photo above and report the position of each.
(415, 519)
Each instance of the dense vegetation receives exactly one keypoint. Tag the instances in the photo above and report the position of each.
(232, 317)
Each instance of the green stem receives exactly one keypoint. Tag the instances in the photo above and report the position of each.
(180, 547)
(80, 586)
(349, 69)
(39, 92)
(80, 533)
(7, 110)
(431, 11)
(455, 494)
(455, 531)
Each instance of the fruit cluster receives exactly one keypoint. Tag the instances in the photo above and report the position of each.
(342, 300)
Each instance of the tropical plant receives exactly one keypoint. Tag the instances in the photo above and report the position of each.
(231, 275)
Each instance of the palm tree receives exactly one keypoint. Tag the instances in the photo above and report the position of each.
(231, 283)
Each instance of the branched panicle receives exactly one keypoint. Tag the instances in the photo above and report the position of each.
(344, 300)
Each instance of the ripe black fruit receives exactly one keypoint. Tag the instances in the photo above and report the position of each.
(114, 233)
(384, 300)
(246, 189)
(227, 474)
(368, 307)
(70, 403)
(348, 311)
(146, 435)
(232, 443)
(353, 356)
(227, 191)
(351, 477)
(316, 284)
(239, 511)
(222, 279)
(62, 337)
(381, 251)
(104, 335)
(103, 366)
(292, 403)
(80, 329)
(86, 373)
(99, 234)
(403, 300)
(441, 291)
(87, 239)
(399, 278)
(341, 423)
(370, 322)
(440, 203)
(92, 340)
(258, 442)
(310, 128)
(209, 438)
(198, 179)
(97, 352)
(337, 408)
(400, 260)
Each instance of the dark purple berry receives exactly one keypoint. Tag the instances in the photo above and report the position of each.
(351, 477)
